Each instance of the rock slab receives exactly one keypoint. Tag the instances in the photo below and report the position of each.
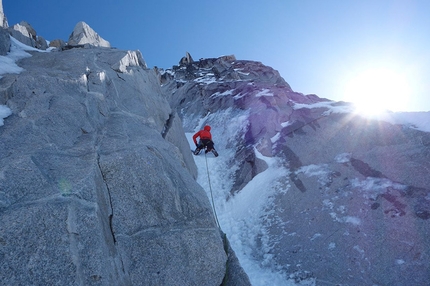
(92, 192)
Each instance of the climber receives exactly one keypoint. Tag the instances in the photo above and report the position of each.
(205, 141)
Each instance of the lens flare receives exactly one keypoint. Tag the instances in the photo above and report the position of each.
(377, 90)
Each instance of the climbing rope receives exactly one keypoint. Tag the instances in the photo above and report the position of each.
(210, 188)
(209, 178)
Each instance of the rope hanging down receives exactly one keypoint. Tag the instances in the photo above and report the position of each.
(210, 188)
(209, 178)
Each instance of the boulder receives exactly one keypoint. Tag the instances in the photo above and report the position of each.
(57, 43)
(83, 34)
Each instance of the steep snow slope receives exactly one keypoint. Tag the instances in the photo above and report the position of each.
(306, 190)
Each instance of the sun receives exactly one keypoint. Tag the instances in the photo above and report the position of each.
(378, 89)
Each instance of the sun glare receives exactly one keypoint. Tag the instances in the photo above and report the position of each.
(376, 90)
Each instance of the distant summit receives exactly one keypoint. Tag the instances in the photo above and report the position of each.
(3, 20)
(84, 34)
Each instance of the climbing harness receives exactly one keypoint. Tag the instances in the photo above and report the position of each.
(210, 189)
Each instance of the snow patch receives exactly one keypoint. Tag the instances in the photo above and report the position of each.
(4, 112)
(285, 124)
(241, 72)
(321, 171)
(225, 93)
(17, 52)
(207, 79)
(343, 158)
(346, 219)
(239, 96)
(264, 92)
(316, 235)
(352, 220)
(313, 170)
(328, 105)
(373, 187)
(276, 137)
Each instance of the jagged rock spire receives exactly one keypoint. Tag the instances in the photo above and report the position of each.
(84, 34)
(3, 20)
(186, 60)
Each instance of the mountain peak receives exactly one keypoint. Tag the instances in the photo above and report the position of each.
(3, 20)
(83, 34)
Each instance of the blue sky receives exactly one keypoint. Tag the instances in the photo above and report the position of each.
(318, 46)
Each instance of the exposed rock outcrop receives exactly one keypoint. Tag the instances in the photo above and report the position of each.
(57, 43)
(4, 42)
(41, 43)
(84, 35)
(3, 19)
(186, 60)
(91, 189)
(22, 34)
(27, 35)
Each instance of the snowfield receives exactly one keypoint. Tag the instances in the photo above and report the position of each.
(242, 216)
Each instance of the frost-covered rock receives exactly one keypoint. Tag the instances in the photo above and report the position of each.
(83, 34)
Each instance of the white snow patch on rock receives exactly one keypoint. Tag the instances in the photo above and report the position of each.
(4, 112)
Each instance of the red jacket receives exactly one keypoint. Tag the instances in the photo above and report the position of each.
(203, 134)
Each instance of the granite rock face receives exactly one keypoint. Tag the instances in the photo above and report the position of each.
(92, 190)
(21, 33)
(84, 35)
(57, 43)
(3, 19)
(4, 42)
(27, 35)
(354, 207)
